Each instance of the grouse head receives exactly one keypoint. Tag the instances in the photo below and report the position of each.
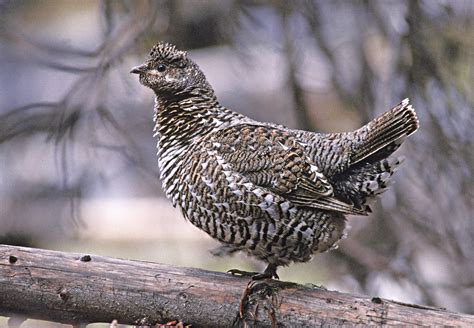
(168, 71)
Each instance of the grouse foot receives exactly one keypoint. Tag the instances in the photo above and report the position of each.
(269, 273)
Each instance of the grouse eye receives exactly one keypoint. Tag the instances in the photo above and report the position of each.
(161, 68)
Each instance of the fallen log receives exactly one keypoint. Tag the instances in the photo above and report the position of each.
(83, 288)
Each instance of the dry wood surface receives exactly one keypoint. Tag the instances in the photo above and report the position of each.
(84, 288)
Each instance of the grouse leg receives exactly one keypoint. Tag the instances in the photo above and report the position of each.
(269, 273)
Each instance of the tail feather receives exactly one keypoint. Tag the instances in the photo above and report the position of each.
(362, 184)
(386, 132)
(371, 166)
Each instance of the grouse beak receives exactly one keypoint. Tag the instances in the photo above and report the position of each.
(139, 69)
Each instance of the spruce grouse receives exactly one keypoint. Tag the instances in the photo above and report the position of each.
(278, 194)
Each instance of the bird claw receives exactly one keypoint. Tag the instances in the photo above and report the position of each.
(253, 275)
(241, 273)
(265, 275)
(269, 273)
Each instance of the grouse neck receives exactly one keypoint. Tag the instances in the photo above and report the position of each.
(182, 117)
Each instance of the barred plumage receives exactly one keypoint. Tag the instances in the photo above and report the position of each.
(278, 194)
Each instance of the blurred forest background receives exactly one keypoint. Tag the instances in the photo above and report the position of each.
(78, 170)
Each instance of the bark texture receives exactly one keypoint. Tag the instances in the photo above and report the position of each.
(84, 288)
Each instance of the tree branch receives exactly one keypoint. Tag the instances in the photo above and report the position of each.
(78, 288)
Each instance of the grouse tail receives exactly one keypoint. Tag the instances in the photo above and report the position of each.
(384, 134)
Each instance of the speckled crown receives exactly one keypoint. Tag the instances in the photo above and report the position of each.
(166, 51)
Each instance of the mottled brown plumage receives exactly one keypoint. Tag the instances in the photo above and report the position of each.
(278, 194)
